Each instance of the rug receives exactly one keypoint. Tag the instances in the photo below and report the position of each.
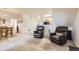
(71, 48)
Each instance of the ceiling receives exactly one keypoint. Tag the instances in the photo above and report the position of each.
(18, 11)
(10, 10)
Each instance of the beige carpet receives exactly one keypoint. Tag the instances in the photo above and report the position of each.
(42, 45)
(25, 42)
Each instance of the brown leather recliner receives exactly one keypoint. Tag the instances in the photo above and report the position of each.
(60, 36)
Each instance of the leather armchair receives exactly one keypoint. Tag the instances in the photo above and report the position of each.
(60, 35)
(39, 33)
(40, 28)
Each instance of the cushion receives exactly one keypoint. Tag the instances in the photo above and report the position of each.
(59, 34)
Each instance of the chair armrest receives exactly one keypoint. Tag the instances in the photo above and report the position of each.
(35, 31)
(52, 34)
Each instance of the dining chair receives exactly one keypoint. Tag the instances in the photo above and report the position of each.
(3, 31)
(9, 31)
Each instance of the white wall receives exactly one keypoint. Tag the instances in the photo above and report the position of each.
(75, 31)
(13, 23)
(64, 16)
(31, 20)
(28, 26)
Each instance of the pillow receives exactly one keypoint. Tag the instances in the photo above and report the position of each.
(59, 34)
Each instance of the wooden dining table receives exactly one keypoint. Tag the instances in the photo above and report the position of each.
(6, 31)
